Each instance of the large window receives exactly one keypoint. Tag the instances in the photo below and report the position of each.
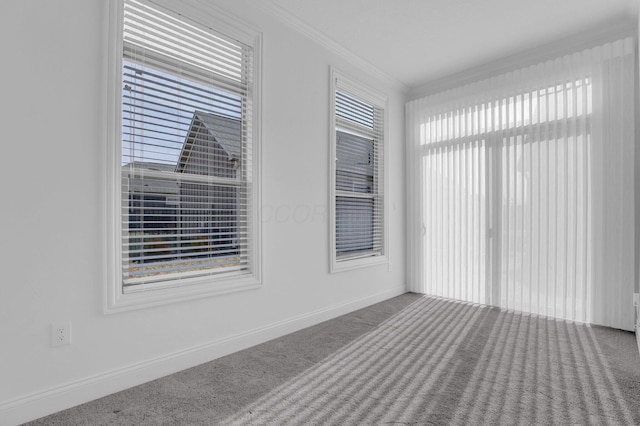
(521, 186)
(184, 161)
(358, 184)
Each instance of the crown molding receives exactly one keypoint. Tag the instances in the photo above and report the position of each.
(301, 27)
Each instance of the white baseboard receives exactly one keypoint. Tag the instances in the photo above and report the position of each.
(39, 404)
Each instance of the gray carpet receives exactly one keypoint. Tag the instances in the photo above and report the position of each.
(411, 360)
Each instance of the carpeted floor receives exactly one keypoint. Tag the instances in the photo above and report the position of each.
(411, 360)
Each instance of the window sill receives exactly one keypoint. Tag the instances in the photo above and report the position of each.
(357, 263)
(197, 289)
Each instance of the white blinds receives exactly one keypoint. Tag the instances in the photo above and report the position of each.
(455, 215)
(523, 189)
(186, 149)
(359, 178)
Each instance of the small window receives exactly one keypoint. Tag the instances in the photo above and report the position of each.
(186, 155)
(358, 219)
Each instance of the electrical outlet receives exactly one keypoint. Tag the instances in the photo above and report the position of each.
(61, 334)
(636, 300)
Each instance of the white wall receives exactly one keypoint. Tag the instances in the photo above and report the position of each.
(54, 124)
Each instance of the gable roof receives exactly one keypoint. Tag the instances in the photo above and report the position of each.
(226, 131)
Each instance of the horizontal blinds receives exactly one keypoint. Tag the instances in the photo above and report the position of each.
(185, 149)
(172, 42)
(359, 177)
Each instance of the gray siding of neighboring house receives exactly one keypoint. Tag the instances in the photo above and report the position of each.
(209, 215)
(202, 217)
(152, 202)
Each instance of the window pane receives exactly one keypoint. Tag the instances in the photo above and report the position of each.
(165, 116)
(354, 167)
(185, 154)
(354, 224)
(359, 177)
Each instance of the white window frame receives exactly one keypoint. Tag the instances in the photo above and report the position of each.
(340, 81)
(115, 299)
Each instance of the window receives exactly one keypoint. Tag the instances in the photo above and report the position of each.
(184, 162)
(358, 219)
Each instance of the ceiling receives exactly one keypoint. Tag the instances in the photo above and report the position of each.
(420, 41)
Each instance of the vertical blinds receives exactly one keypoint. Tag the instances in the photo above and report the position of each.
(186, 151)
(359, 185)
(454, 193)
(525, 188)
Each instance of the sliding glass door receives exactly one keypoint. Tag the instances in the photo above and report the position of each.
(455, 214)
(522, 189)
(542, 181)
(505, 204)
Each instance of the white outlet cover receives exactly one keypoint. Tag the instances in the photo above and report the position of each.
(60, 334)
